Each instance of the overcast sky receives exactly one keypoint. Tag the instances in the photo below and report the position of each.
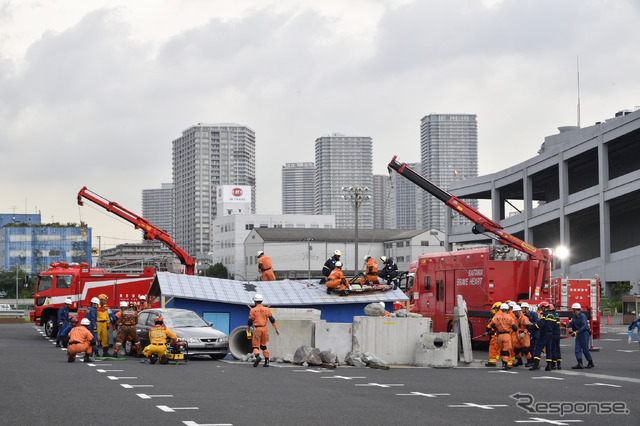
(92, 92)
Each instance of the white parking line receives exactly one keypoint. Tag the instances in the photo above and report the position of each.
(342, 377)
(600, 376)
(473, 405)
(603, 384)
(99, 370)
(121, 378)
(191, 423)
(380, 385)
(548, 378)
(428, 395)
(128, 386)
(173, 409)
(307, 371)
(551, 422)
(145, 396)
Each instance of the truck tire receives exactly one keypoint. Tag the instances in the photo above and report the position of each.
(51, 327)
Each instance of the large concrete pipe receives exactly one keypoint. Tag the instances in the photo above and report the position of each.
(239, 345)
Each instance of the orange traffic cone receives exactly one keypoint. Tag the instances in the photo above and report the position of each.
(608, 320)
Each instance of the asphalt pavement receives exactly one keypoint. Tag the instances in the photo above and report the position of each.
(41, 388)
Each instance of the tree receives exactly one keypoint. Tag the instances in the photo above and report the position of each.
(216, 271)
(620, 287)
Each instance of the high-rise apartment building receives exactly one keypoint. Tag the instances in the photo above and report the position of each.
(205, 157)
(449, 152)
(343, 161)
(384, 211)
(157, 207)
(298, 186)
(408, 201)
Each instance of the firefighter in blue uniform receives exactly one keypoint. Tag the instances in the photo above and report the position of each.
(634, 324)
(580, 327)
(545, 325)
(330, 265)
(63, 320)
(555, 356)
(534, 334)
(92, 316)
(389, 272)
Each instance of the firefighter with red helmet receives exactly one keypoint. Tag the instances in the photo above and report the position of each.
(503, 324)
(258, 316)
(494, 352)
(265, 267)
(158, 335)
(522, 343)
(545, 324)
(127, 325)
(81, 340)
(64, 334)
(337, 280)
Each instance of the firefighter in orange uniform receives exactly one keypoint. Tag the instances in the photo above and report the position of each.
(142, 305)
(158, 336)
(494, 352)
(80, 340)
(512, 355)
(265, 267)
(102, 318)
(127, 323)
(337, 280)
(370, 271)
(522, 342)
(504, 324)
(258, 316)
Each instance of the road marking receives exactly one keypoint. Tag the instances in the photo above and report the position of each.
(503, 372)
(610, 340)
(121, 378)
(101, 365)
(191, 423)
(145, 396)
(600, 376)
(128, 386)
(603, 384)
(173, 409)
(307, 370)
(428, 395)
(552, 422)
(627, 350)
(472, 405)
(342, 377)
(380, 385)
(548, 378)
(100, 370)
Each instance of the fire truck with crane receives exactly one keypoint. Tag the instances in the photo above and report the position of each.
(486, 275)
(81, 283)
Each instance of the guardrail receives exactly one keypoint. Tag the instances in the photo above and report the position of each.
(12, 313)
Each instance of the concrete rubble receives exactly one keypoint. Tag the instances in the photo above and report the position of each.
(307, 355)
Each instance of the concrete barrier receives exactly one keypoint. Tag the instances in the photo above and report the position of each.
(334, 336)
(295, 313)
(293, 334)
(391, 338)
(437, 350)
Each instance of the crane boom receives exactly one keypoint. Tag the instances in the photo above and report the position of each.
(150, 231)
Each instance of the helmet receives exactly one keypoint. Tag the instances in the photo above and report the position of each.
(511, 304)
(524, 305)
(552, 308)
(517, 309)
(576, 306)
(95, 300)
(103, 296)
(496, 305)
(74, 320)
(338, 264)
(85, 321)
(504, 307)
(381, 304)
(158, 320)
(543, 304)
(258, 297)
(383, 259)
(123, 304)
(143, 297)
(367, 257)
(260, 253)
(337, 253)
(132, 303)
(68, 301)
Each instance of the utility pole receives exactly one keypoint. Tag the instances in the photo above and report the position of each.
(357, 195)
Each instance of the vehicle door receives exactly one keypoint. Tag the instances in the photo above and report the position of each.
(145, 322)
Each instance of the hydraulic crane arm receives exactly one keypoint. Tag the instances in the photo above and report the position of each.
(150, 231)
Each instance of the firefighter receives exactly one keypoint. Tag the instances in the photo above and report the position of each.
(81, 340)
(337, 281)
(503, 324)
(522, 342)
(265, 268)
(330, 264)
(384, 310)
(142, 304)
(92, 316)
(556, 357)
(634, 324)
(494, 352)
(158, 336)
(390, 271)
(63, 319)
(370, 271)
(533, 334)
(128, 323)
(103, 316)
(545, 324)
(64, 335)
(118, 316)
(258, 316)
(512, 355)
(580, 326)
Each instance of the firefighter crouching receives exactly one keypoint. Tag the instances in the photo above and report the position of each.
(258, 316)
(371, 271)
(127, 325)
(494, 352)
(504, 324)
(158, 336)
(522, 342)
(337, 280)
(80, 340)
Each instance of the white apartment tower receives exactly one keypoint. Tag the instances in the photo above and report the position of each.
(343, 161)
(205, 157)
(449, 152)
(298, 186)
(157, 207)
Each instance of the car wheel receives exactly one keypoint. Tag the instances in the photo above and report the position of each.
(51, 327)
(217, 356)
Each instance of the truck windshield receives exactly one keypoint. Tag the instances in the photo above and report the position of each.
(44, 282)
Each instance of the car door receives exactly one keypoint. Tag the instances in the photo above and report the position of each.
(143, 326)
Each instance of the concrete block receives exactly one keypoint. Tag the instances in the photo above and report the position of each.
(437, 350)
(334, 336)
(295, 313)
(293, 334)
(390, 338)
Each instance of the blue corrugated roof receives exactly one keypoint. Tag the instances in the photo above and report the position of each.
(278, 293)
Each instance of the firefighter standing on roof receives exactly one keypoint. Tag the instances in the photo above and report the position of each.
(63, 319)
(81, 340)
(390, 271)
(128, 328)
(504, 324)
(265, 267)
(158, 336)
(258, 316)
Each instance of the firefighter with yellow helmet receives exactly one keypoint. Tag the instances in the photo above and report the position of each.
(494, 352)
(158, 335)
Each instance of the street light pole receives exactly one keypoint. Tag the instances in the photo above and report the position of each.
(356, 195)
(308, 240)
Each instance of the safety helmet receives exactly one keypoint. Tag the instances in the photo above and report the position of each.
(383, 259)
(68, 301)
(367, 257)
(543, 304)
(517, 309)
(74, 320)
(143, 297)
(496, 305)
(95, 300)
(123, 304)
(552, 307)
(103, 296)
(576, 306)
(260, 253)
(132, 303)
(511, 304)
(338, 264)
(258, 297)
(381, 304)
(524, 305)
(158, 320)
(504, 307)
(337, 253)
(85, 321)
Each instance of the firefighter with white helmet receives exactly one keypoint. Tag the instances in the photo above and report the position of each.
(580, 326)
(370, 270)
(545, 324)
(337, 281)
(127, 330)
(503, 324)
(258, 316)
(330, 264)
(265, 267)
(533, 333)
(63, 319)
(142, 303)
(92, 316)
(81, 340)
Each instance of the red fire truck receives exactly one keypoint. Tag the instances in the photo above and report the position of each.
(511, 270)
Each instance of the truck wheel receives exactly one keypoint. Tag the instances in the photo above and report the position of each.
(51, 327)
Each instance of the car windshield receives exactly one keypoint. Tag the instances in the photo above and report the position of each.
(183, 319)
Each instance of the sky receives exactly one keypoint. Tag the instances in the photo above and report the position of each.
(93, 92)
